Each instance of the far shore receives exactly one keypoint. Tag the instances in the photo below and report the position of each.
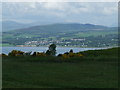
(61, 46)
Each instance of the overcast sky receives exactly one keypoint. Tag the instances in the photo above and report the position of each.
(62, 12)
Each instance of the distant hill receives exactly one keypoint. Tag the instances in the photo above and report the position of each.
(58, 27)
(70, 27)
(12, 25)
(92, 35)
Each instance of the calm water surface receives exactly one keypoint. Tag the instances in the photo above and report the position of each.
(61, 50)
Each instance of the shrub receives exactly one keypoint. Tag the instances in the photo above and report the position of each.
(59, 55)
(48, 52)
(16, 53)
(3, 55)
(66, 53)
(27, 53)
(71, 51)
(34, 54)
(79, 55)
(70, 54)
(40, 54)
(65, 56)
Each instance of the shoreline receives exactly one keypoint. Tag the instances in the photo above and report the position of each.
(63, 46)
(44, 47)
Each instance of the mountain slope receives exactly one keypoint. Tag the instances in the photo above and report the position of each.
(91, 35)
(56, 28)
(12, 25)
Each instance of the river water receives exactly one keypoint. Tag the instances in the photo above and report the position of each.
(60, 50)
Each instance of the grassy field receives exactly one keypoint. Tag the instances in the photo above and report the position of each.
(97, 69)
(5, 45)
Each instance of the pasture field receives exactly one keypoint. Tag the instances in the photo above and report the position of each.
(96, 69)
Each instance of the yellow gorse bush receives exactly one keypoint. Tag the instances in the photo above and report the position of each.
(16, 53)
(72, 55)
(65, 56)
(40, 54)
(79, 55)
(21, 53)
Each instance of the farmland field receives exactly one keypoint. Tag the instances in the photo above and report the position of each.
(96, 69)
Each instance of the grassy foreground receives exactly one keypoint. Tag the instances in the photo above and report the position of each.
(97, 69)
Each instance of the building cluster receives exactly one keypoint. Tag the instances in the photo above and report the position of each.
(66, 42)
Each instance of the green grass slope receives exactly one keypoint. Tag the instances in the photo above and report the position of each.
(97, 69)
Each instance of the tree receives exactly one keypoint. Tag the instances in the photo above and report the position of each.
(34, 54)
(52, 50)
(48, 52)
(71, 51)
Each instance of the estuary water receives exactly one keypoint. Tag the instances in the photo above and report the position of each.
(60, 50)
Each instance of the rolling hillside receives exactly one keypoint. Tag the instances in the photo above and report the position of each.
(12, 25)
(63, 33)
(97, 69)
(71, 27)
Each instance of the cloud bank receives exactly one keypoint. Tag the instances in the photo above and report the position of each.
(102, 13)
